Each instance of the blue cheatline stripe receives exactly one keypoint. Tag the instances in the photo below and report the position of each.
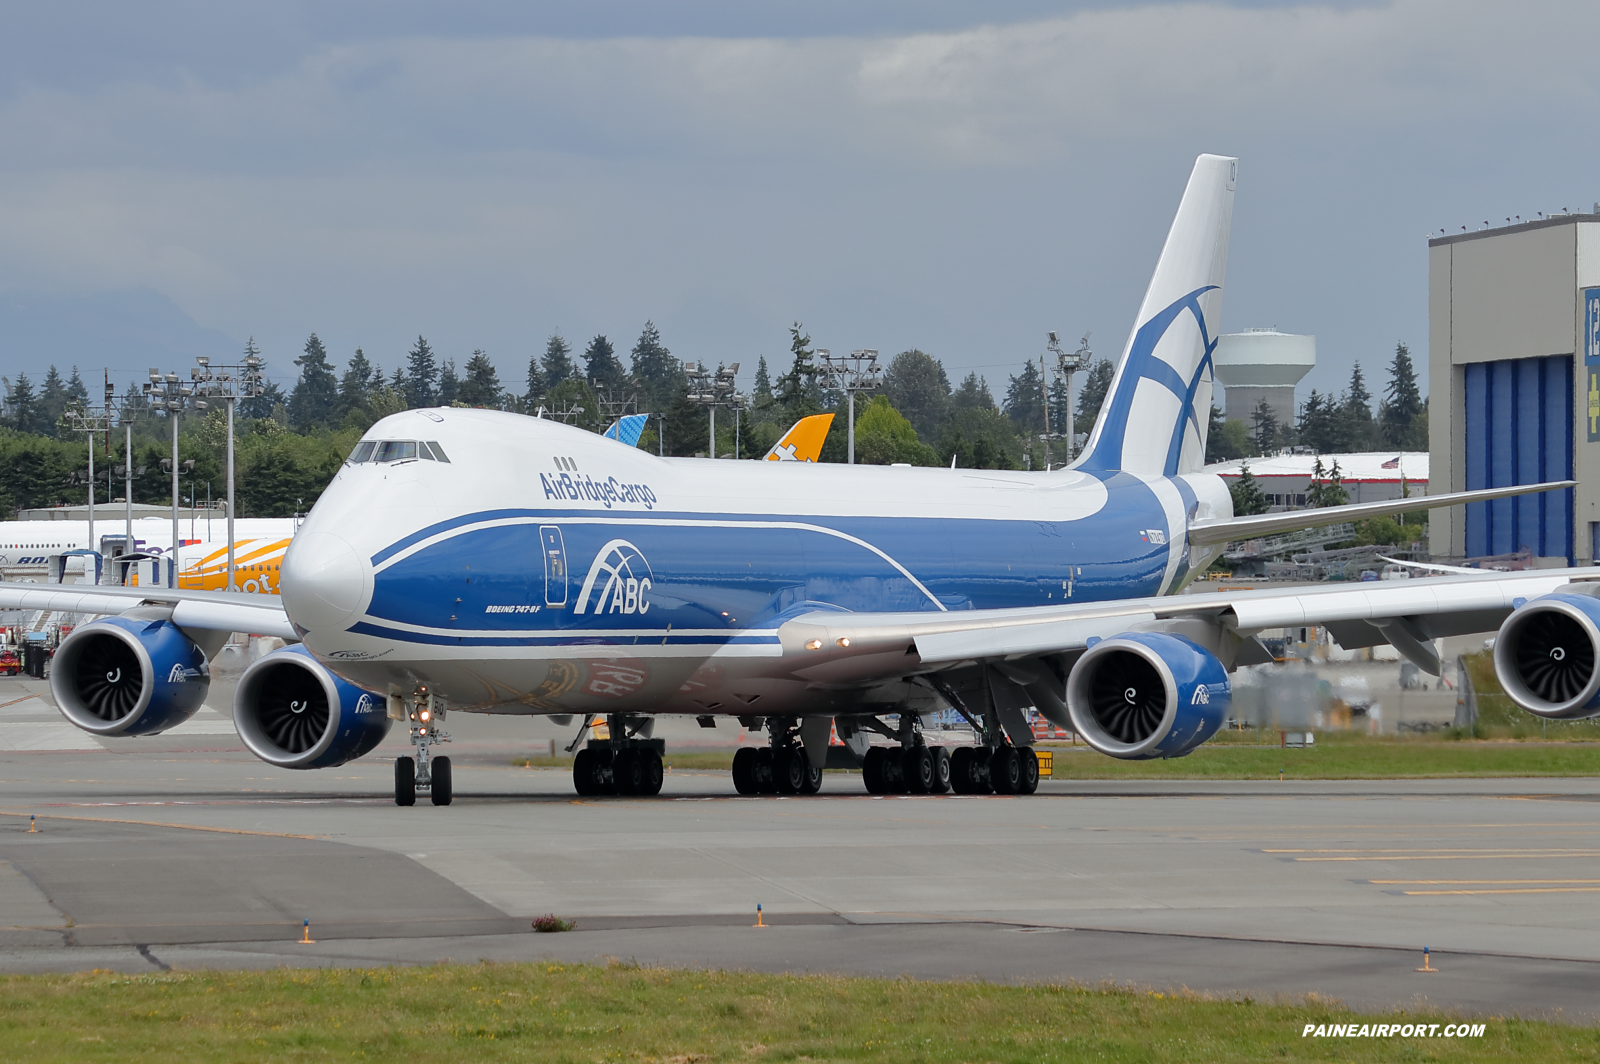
(565, 639)
(444, 526)
(1142, 364)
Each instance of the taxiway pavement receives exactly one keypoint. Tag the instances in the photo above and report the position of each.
(182, 850)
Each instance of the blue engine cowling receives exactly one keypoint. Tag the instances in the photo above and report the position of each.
(1147, 694)
(128, 676)
(292, 712)
(1545, 655)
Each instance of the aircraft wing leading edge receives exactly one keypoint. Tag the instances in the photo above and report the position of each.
(218, 611)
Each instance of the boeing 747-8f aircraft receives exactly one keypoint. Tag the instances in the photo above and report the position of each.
(471, 561)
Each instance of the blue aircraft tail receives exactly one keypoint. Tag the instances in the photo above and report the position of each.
(1156, 412)
(627, 429)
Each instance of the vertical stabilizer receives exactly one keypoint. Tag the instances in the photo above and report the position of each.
(1155, 415)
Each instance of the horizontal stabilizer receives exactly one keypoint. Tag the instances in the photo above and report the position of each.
(1237, 528)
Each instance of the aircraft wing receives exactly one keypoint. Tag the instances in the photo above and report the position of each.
(852, 648)
(219, 611)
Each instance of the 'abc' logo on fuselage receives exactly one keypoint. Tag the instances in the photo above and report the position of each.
(626, 581)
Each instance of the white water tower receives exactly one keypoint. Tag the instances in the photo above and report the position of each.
(1262, 364)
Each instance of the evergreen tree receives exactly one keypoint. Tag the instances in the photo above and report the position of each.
(422, 375)
(52, 401)
(1058, 407)
(1355, 429)
(1327, 486)
(397, 383)
(763, 389)
(357, 381)
(1317, 423)
(799, 390)
(1402, 401)
(449, 383)
(537, 385)
(601, 367)
(315, 395)
(557, 361)
(22, 405)
(972, 395)
(1025, 399)
(1215, 443)
(480, 386)
(77, 391)
(1264, 422)
(1092, 391)
(916, 386)
(1248, 498)
(660, 376)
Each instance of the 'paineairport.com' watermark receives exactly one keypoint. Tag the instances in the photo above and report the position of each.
(1394, 1030)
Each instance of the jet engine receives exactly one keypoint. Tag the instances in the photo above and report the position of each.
(127, 676)
(1545, 654)
(1147, 694)
(293, 713)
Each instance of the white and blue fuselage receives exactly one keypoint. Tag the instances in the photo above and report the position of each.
(544, 569)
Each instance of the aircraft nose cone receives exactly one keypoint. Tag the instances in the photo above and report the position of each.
(325, 582)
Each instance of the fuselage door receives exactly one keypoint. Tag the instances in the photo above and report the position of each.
(555, 565)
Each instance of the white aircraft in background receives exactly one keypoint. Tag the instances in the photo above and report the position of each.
(479, 561)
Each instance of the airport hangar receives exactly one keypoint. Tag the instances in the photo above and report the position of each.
(1514, 387)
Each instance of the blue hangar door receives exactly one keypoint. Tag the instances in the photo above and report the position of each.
(1519, 431)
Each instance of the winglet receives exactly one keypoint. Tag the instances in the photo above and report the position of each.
(803, 442)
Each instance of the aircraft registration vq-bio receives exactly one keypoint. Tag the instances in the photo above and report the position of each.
(474, 561)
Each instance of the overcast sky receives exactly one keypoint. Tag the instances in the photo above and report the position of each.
(950, 175)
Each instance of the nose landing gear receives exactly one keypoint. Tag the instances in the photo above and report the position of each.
(422, 712)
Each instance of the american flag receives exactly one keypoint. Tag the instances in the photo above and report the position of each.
(1393, 463)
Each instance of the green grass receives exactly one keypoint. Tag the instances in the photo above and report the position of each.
(1336, 756)
(559, 1012)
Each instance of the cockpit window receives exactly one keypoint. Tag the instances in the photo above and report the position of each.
(396, 450)
(363, 452)
(438, 452)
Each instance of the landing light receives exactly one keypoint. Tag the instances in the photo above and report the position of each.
(426, 714)
(844, 640)
(815, 644)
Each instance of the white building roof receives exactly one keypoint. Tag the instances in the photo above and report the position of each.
(1366, 467)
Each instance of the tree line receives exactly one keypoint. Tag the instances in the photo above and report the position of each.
(291, 442)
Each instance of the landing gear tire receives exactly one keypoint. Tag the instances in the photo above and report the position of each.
(765, 782)
(919, 770)
(872, 770)
(789, 770)
(1030, 771)
(941, 771)
(443, 789)
(1005, 770)
(628, 769)
(813, 780)
(584, 777)
(744, 772)
(653, 774)
(405, 781)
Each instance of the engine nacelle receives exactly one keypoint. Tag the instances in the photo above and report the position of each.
(292, 712)
(128, 676)
(1545, 654)
(1147, 694)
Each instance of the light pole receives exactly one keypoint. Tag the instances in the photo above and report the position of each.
(856, 372)
(229, 383)
(712, 390)
(89, 422)
(166, 393)
(1068, 364)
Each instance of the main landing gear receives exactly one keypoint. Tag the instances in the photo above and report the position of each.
(625, 763)
(913, 767)
(423, 713)
(781, 768)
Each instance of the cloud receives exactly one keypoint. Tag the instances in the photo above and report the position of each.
(960, 190)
